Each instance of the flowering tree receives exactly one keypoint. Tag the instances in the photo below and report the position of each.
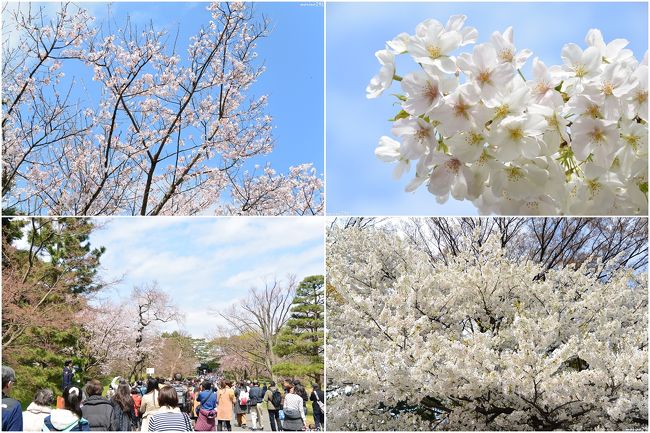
(255, 322)
(43, 283)
(150, 307)
(239, 367)
(160, 130)
(107, 342)
(121, 337)
(176, 355)
(573, 139)
(479, 341)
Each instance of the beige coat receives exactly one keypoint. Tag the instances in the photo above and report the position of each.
(148, 406)
(34, 416)
(226, 397)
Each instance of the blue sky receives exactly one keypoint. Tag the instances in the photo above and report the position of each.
(292, 55)
(358, 183)
(206, 263)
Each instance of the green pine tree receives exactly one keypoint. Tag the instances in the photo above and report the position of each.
(300, 342)
(44, 285)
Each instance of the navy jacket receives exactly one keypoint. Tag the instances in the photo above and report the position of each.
(255, 395)
(67, 377)
(12, 414)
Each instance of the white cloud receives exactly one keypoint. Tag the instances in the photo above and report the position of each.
(207, 262)
(302, 264)
(133, 228)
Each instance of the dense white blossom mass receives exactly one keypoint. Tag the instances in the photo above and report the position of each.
(570, 140)
(484, 340)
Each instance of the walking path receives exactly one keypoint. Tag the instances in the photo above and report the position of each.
(265, 422)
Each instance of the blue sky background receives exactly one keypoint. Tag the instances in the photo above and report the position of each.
(357, 182)
(292, 54)
(205, 263)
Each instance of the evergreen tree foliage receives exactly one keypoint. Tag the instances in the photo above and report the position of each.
(300, 342)
(44, 287)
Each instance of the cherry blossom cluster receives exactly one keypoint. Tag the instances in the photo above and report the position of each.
(571, 139)
(144, 125)
(480, 341)
(299, 192)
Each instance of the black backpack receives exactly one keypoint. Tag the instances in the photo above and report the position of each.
(276, 399)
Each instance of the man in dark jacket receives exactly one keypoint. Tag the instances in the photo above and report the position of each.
(256, 397)
(12, 410)
(96, 409)
(68, 372)
(273, 400)
(318, 399)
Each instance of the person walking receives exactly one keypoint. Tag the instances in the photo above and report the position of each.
(226, 399)
(149, 402)
(137, 402)
(207, 403)
(255, 404)
(195, 402)
(302, 392)
(12, 410)
(123, 408)
(317, 398)
(273, 400)
(241, 404)
(96, 409)
(169, 416)
(294, 411)
(38, 410)
(68, 373)
(70, 418)
(141, 387)
(181, 392)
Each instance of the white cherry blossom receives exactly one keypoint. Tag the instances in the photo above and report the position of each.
(517, 136)
(450, 175)
(424, 92)
(544, 82)
(580, 66)
(506, 51)
(484, 69)
(417, 136)
(389, 151)
(382, 81)
(582, 123)
(612, 52)
(432, 45)
(595, 137)
(479, 332)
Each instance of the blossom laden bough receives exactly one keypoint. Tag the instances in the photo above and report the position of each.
(143, 125)
(477, 110)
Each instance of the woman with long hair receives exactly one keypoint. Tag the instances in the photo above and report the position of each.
(70, 417)
(241, 404)
(294, 409)
(226, 399)
(149, 402)
(123, 408)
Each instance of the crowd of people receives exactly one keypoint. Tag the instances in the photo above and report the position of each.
(205, 403)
